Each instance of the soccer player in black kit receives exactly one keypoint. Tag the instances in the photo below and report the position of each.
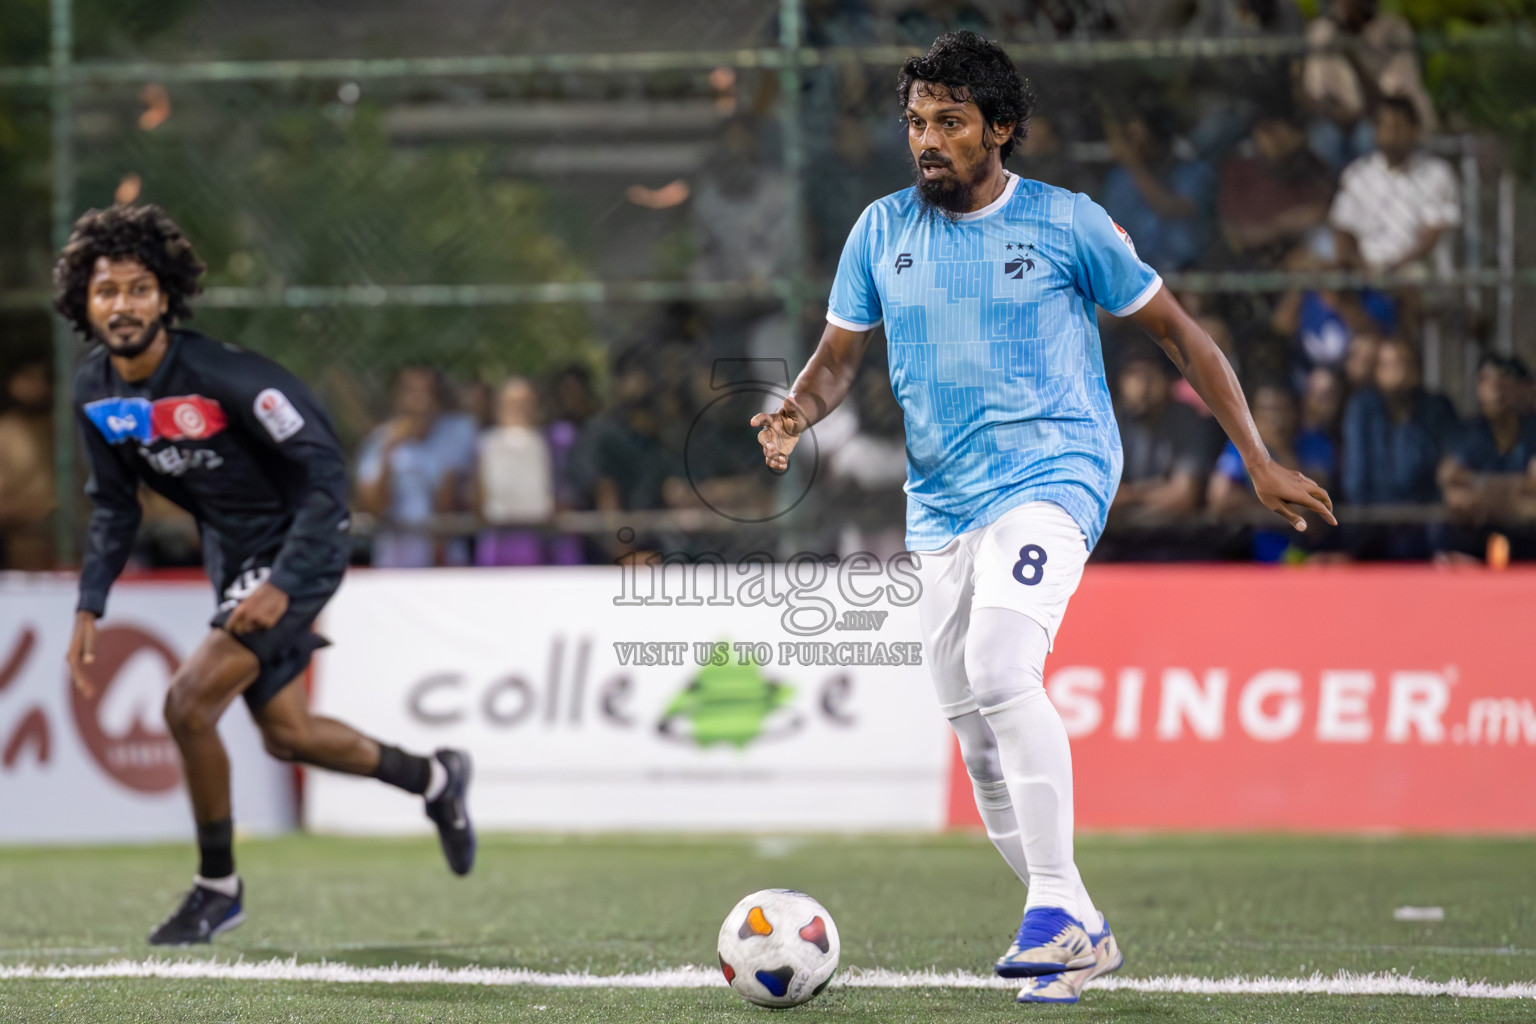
(243, 446)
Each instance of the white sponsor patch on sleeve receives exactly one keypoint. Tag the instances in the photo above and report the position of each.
(278, 415)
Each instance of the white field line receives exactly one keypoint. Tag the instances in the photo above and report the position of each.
(688, 977)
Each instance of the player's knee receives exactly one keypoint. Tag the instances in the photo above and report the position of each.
(983, 765)
(284, 742)
(187, 714)
(978, 748)
(997, 683)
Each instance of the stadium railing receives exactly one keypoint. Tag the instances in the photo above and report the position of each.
(64, 77)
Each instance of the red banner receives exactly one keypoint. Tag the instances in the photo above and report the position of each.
(1338, 699)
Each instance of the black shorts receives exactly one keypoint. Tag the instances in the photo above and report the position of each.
(285, 649)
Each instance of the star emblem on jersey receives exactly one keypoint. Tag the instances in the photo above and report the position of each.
(1018, 264)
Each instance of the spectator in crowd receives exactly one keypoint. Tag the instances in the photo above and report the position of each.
(1395, 434)
(1237, 18)
(1167, 447)
(477, 401)
(417, 464)
(872, 455)
(619, 462)
(738, 208)
(27, 495)
(866, 466)
(1043, 157)
(1525, 397)
(918, 24)
(1394, 205)
(1357, 56)
(1053, 19)
(1323, 323)
(1269, 201)
(1489, 479)
(1322, 402)
(514, 482)
(716, 472)
(1359, 366)
(571, 403)
(1161, 201)
(1203, 311)
(1311, 451)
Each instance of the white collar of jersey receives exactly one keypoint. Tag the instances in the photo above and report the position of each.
(996, 204)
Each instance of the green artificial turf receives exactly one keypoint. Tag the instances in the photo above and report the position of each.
(1202, 905)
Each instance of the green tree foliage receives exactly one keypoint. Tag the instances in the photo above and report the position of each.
(283, 190)
(1483, 69)
(285, 185)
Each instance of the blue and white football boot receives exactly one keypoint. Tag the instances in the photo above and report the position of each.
(1066, 986)
(1049, 941)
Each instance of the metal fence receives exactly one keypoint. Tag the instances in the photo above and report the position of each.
(330, 249)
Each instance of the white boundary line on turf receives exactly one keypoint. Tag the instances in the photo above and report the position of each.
(1343, 983)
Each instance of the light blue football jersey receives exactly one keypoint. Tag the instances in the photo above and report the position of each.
(994, 350)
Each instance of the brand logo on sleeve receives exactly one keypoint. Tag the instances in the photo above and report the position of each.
(182, 418)
(1126, 238)
(278, 415)
(122, 419)
(187, 418)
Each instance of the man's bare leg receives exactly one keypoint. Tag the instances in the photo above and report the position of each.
(291, 733)
(201, 690)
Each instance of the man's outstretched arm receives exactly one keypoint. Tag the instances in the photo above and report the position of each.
(1204, 366)
(115, 515)
(820, 388)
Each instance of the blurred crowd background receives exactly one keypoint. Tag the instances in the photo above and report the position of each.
(543, 262)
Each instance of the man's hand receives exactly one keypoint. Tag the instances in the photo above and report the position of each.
(259, 611)
(1280, 488)
(82, 651)
(779, 432)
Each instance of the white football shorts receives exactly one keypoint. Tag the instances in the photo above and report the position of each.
(1030, 561)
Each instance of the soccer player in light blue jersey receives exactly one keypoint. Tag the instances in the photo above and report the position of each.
(988, 284)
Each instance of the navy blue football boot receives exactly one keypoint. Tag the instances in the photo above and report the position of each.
(449, 811)
(204, 914)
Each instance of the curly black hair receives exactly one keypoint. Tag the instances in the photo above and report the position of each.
(975, 69)
(143, 233)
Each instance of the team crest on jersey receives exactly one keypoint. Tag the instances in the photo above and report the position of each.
(1125, 236)
(188, 418)
(1021, 259)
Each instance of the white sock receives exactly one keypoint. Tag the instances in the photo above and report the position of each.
(229, 885)
(437, 782)
(978, 748)
(1005, 660)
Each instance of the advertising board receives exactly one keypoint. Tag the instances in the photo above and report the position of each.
(589, 699)
(103, 768)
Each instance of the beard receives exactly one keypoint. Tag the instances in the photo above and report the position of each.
(135, 346)
(949, 196)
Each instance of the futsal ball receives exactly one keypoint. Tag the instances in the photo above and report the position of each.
(778, 948)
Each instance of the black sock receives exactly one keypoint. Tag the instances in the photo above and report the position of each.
(216, 848)
(407, 771)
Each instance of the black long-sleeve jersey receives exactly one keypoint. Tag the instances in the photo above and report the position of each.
(226, 434)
